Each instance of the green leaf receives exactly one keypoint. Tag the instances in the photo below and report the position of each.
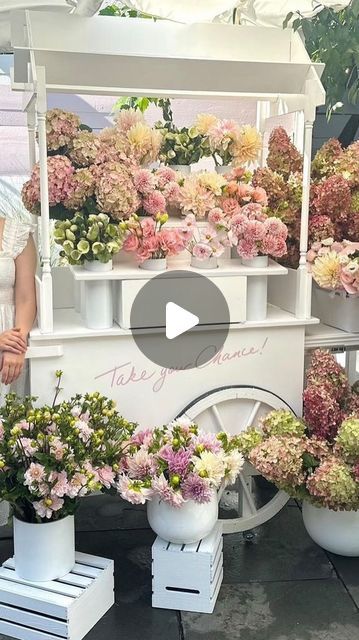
(287, 19)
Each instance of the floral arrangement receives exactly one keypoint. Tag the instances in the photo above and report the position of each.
(176, 463)
(85, 239)
(208, 242)
(254, 234)
(200, 192)
(50, 456)
(157, 189)
(335, 265)
(229, 142)
(183, 146)
(317, 458)
(148, 239)
(134, 138)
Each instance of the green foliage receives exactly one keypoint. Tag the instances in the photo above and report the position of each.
(182, 146)
(143, 103)
(88, 238)
(123, 12)
(333, 38)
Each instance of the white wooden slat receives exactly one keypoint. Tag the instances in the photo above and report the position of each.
(53, 586)
(218, 559)
(210, 543)
(92, 561)
(51, 604)
(253, 414)
(33, 620)
(247, 499)
(93, 605)
(84, 570)
(24, 633)
(70, 578)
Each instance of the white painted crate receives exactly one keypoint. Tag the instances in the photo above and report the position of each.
(65, 608)
(336, 309)
(188, 577)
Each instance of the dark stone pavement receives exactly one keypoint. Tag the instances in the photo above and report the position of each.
(278, 586)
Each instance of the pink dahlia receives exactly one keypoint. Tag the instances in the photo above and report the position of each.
(164, 175)
(144, 181)
(196, 488)
(154, 203)
(247, 249)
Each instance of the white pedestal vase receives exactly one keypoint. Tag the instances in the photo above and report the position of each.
(98, 302)
(44, 552)
(208, 263)
(335, 531)
(257, 288)
(182, 168)
(184, 525)
(154, 264)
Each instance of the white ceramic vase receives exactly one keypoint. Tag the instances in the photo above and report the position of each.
(154, 264)
(182, 168)
(44, 552)
(335, 531)
(222, 169)
(184, 525)
(97, 294)
(208, 263)
(257, 288)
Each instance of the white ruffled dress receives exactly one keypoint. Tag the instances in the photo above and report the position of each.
(15, 237)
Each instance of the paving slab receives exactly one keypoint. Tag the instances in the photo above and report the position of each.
(348, 571)
(280, 550)
(294, 610)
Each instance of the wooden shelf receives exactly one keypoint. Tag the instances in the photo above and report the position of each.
(68, 325)
(227, 268)
(321, 335)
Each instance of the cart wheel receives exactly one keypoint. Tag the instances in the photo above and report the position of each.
(252, 500)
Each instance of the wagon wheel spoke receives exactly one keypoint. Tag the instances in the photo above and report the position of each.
(253, 414)
(246, 505)
(218, 418)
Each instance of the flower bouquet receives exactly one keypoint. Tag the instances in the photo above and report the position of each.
(51, 456)
(316, 459)
(335, 269)
(181, 148)
(150, 242)
(200, 192)
(207, 244)
(178, 469)
(255, 235)
(229, 142)
(157, 189)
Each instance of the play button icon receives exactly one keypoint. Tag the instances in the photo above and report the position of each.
(178, 320)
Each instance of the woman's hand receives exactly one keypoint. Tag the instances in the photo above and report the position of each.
(13, 342)
(11, 366)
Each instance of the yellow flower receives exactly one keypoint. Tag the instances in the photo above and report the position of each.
(204, 122)
(248, 145)
(326, 270)
(212, 181)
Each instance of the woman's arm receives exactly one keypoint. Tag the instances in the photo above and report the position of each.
(11, 364)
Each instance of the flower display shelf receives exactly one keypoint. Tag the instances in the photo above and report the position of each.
(188, 577)
(230, 277)
(65, 608)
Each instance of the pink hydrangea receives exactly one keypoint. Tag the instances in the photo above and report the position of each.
(115, 191)
(61, 127)
(320, 228)
(322, 412)
(60, 185)
(283, 156)
(332, 198)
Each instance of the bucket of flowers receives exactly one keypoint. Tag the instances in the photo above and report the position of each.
(206, 244)
(335, 270)
(316, 459)
(178, 469)
(150, 242)
(51, 456)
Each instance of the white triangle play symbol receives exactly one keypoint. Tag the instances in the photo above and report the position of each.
(178, 320)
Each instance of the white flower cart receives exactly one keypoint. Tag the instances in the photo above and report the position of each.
(261, 365)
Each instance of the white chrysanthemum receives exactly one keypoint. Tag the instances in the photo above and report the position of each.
(234, 462)
(212, 465)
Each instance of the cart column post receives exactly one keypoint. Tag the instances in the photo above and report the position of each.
(45, 285)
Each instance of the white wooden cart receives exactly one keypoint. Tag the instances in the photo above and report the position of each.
(261, 365)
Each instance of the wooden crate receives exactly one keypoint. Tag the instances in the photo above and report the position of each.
(65, 608)
(188, 577)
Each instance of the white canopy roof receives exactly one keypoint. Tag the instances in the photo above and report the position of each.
(142, 57)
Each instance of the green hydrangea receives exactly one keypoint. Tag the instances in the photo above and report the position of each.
(248, 440)
(283, 423)
(348, 437)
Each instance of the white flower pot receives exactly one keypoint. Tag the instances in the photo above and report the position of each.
(208, 263)
(257, 289)
(98, 302)
(335, 531)
(184, 525)
(154, 264)
(222, 169)
(44, 552)
(182, 168)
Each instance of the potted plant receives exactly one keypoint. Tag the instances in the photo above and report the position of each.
(177, 469)
(206, 244)
(51, 456)
(150, 242)
(229, 142)
(316, 459)
(335, 270)
(256, 237)
(181, 147)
